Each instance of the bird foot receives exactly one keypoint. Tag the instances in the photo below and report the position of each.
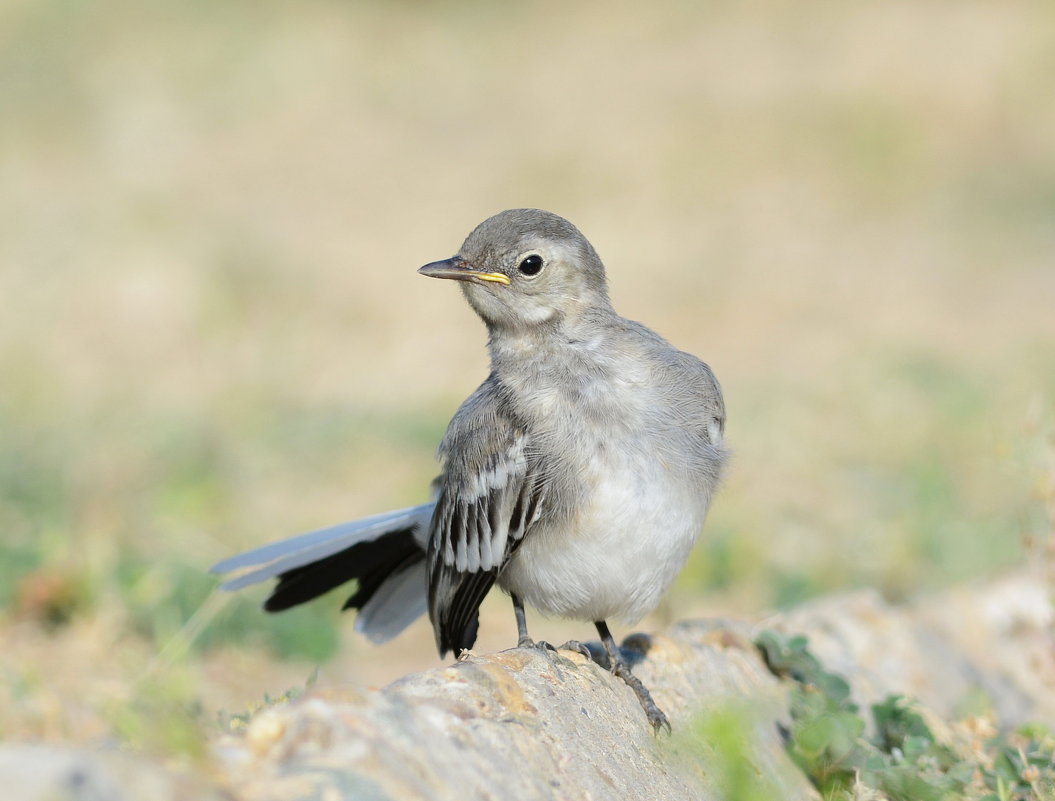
(652, 711)
(577, 647)
(541, 645)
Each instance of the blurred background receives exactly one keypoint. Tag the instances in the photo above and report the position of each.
(212, 334)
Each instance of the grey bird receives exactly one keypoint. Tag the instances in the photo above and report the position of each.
(577, 476)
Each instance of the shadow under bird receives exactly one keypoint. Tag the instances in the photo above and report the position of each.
(577, 476)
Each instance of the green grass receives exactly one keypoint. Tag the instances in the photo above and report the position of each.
(902, 758)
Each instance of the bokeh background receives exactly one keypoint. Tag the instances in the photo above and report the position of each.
(212, 334)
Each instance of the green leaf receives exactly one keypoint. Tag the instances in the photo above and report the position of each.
(896, 721)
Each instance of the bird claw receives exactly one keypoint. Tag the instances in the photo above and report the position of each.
(539, 645)
(577, 647)
(652, 711)
(545, 647)
(658, 720)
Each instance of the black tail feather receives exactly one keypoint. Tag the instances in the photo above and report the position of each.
(369, 563)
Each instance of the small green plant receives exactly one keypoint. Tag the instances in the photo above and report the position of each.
(725, 737)
(903, 760)
(239, 721)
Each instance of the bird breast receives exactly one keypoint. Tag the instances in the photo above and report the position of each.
(620, 514)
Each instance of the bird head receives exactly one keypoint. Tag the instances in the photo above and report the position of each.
(524, 268)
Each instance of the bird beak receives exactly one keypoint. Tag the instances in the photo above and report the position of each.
(461, 271)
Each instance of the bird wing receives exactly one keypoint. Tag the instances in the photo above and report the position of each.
(491, 493)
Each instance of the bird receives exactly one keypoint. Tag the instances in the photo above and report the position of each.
(576, 477)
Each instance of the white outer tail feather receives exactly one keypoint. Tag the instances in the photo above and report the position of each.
(396, 604)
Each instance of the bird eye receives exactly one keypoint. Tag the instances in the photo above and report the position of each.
(530, 265)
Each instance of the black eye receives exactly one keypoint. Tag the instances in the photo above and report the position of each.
(530, 265)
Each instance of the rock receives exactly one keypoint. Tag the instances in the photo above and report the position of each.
(995, 639)
(520, 724)
(56, 773)
(525, 724)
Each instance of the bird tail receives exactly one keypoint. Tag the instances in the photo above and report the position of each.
(384, 554)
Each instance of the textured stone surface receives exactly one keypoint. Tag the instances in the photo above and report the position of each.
(517, 724)
(996, 639)
(523, 724)
(53, 773)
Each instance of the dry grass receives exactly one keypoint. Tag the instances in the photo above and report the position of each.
(213, 335)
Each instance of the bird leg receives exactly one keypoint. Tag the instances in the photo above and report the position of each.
(620, 668)
(525, 641)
